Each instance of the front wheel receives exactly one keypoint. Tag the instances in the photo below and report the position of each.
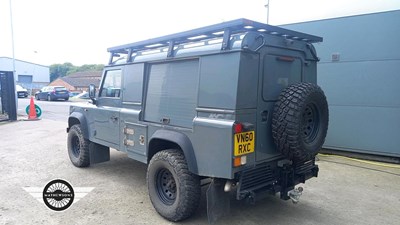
(78, 147)
(174, 191)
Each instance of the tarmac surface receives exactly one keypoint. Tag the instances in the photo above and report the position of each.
(34, 152)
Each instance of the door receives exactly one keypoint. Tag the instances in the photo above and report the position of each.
(107, 115)
(42, 93)
(25, 80)
(279, 71)
(133, 131)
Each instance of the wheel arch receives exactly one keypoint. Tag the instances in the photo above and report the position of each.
(166, 139)
(78, 118)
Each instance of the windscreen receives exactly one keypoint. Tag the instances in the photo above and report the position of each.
(60, 89)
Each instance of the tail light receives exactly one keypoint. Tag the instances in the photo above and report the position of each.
(238, 128)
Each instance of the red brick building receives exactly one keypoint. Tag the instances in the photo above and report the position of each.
(78, 81)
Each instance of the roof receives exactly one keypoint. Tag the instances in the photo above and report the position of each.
(85, 74)
(80, 82)
(83, 79)
(343, 17)
(8, 58)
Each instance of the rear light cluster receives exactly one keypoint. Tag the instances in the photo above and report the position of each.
(238, 127)
(239, 160)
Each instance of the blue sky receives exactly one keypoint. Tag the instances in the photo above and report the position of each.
(80, 31)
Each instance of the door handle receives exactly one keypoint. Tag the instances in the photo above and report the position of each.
(165, 120)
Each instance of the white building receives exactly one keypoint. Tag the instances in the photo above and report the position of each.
(29, 75)
(359, 73)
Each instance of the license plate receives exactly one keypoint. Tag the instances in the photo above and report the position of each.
(244, 143)
(61, 92)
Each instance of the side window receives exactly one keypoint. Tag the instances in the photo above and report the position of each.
(112, 84)
(172, 92)
(133, 83)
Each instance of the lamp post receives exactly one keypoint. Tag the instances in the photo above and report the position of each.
(34, 70)
(13, 58)
(12, 37)
(267, 6)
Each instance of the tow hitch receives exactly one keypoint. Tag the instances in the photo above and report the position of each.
(295, 194)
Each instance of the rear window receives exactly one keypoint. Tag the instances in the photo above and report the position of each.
(280, 72)
(60, 89)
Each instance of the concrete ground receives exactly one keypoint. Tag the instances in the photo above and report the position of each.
(34, 152)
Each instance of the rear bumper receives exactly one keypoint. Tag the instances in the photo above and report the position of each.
(273, 177)
(22, 94)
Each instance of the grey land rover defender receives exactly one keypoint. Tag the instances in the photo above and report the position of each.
(235, 104)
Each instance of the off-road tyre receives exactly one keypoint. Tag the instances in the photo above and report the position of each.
(300, 121)
(174, 191)
(78, 147)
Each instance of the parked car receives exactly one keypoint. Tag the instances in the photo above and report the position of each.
(83, 95)
(51, 93)
(21, 92)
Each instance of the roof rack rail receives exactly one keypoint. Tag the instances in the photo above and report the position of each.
(223, 30)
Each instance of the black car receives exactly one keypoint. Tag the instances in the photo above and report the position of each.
(73, 93)
(51, 93)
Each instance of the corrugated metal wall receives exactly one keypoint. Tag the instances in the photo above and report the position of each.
(360, 74)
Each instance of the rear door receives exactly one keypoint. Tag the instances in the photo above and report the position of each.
(280, 68)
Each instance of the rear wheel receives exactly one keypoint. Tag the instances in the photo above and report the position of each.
(300, 121)
(37, 97)
(174, 191)
(48, 98)
(78, 147)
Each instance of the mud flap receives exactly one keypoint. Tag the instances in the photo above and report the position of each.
(218, 202)
(98, 153)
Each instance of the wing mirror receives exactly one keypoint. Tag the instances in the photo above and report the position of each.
(92, 93)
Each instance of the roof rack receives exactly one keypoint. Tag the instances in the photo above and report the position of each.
(223, 30)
